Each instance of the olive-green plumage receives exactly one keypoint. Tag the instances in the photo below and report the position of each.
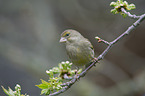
(79, 49)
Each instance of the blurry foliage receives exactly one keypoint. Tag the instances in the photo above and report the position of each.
(64, 71)
(17, 91)
(121, 4)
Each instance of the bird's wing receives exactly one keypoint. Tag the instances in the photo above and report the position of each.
(88, 45)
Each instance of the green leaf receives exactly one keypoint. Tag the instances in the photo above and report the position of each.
(114, 11)
(130, 7)
(125, 3)
(42, 86)
(12, 93)
(6, 91)
(44, 82)
(79, 71)
(45, 86)
(17, 91)
(113, 4)
(45, 91)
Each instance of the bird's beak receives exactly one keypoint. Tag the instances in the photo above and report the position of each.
(62, 40)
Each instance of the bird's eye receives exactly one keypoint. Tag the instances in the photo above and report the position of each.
(67, 34)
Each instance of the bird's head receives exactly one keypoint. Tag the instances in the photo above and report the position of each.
(70, 36)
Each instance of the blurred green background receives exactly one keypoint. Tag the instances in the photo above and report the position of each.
(29, 45)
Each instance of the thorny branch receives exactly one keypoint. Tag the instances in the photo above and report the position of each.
(67, 85)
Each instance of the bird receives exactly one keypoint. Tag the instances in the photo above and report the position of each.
(78, 48)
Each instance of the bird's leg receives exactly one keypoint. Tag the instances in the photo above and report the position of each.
(95, 59)
(77, 72)
(77, 69)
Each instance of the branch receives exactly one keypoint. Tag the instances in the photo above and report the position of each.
(130, 15)
(101, 40)
(133, 26)
(67, 85)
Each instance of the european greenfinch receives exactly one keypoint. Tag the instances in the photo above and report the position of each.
(79, 49)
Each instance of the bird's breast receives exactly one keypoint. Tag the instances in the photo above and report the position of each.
(79, 55)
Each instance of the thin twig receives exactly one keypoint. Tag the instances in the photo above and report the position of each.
(67, 85)
(130, 15)
(101, 40)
